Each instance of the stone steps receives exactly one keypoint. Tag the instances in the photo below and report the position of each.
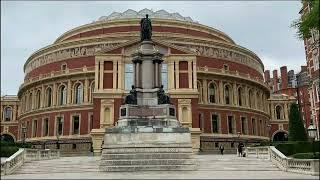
(140, 162)
(146, 150)
(180, 167)
(148, 156)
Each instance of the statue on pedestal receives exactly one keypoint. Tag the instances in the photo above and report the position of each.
(162, 97)
(145, 28)
(132, 97)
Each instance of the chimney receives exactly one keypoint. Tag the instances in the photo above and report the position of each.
(267, 76)
(275, 80)
(303, 68)
(284, 77)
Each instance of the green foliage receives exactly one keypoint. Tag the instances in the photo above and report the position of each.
(296, 128)
(308, 21)
(291, 148)
(9, 148)
(306, 155)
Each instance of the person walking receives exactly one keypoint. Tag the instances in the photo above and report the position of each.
(221, 148)
(240, 149)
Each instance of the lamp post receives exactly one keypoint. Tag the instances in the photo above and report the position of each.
(24, 131)
(57, 134)
(312, 132)
(269, 130)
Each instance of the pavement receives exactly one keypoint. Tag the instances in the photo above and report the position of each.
(211, 166)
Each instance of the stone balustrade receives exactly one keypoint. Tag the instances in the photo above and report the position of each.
(26, 155)
(302, 166)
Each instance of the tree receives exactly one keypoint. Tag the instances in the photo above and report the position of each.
(296, 129)
(308, 21)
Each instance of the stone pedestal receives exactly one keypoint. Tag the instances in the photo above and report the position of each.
(195, 137)
(97, 136)
(147, 148)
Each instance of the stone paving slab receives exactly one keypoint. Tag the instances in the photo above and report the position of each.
(211, 167)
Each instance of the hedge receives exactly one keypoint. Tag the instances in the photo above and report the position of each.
(306, 155)
(9, 148)
(290, 148)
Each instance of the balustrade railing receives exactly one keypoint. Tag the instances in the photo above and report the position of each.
(26, 155)
(303, 166)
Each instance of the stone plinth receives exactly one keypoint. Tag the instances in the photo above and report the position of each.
(147, 148)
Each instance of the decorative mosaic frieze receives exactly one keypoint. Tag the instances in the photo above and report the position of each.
(80, 51)
(223, 54)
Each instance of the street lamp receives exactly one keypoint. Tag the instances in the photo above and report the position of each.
(24, 131)
(269, 129)
(57, 134)
(312, 132)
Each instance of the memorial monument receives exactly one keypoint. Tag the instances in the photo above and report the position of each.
(148, 135)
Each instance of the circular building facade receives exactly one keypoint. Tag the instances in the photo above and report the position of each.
(75, 86)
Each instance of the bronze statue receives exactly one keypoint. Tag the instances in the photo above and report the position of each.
(145, 28)
(132, 97)
(162, 97)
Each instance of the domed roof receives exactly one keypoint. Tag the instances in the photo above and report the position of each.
(161, 14)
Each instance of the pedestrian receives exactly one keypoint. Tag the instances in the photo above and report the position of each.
(240, 149)
(221, 148)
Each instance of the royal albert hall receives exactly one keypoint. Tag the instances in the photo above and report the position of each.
(74, 87)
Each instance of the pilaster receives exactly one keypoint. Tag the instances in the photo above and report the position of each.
(205, 91)
(190, 74)
(69, 91)
(54, 94)
(101, 75)
(221, 92)
(177, 74)
(114, 74)
(171, 75)
(86, 89)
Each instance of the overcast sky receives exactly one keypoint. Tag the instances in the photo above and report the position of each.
(261, 26)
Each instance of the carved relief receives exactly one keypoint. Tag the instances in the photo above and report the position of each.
(223, 54)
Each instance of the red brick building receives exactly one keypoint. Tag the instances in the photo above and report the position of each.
(74, 87)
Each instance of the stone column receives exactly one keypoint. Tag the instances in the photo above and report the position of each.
(235, 94)
(205, 91)
(194, 75)
(137, 74)
(86, 88)
(54, 94)
(190, 74)
(101, 75)
(14, 113)
(177, 73)
(96, 84)
(33, 99)
(42, 96)
(221, 92)
(120, 75)
(171, 75)
(114, 75)
(285, 111)
(246, 96)
(156, 74)
(69, 92)
(272, 110)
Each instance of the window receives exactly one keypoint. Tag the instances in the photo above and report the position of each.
(59, 126)
(128, 82)
(278, 112)
(215, 123)
(46, 127)
(225, 67)
(38, 97)
(78, 93)
(240, 96)
(199, 87)
(164, 76)
(8, 113)
(201, 123)
(253, 126)
(212, 93)
(230, 125)
(35, 128)
(63, 67)
(90, 122)
(227, 94)
(48, 97)
(243, 125)
(62, 95)
(216, 144)
(75, 124)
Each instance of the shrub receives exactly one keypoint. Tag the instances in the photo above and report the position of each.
(306, 156)
(291, 148)
(296, 128)
(8, 151)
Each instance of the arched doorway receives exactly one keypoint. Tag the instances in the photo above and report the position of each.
(280, 136)
(7, 138)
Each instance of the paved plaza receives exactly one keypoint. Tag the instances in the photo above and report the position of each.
(211, 166)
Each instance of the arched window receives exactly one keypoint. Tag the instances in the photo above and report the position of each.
(227, 94)
(62, 95)
(279, 112)
(199, 87)
(78, 93)
(240, 93)
(250, 98)
(8, 113)
(38, 99)
(48, 97)
(212, 93)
